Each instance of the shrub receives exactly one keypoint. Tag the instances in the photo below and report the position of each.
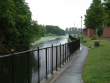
(94, 37)
(100, 31)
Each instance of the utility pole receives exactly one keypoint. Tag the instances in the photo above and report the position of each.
(74, 29)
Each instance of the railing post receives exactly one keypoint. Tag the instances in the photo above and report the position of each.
(52, 58)
(79, 43)
(60, 55)
(56, 59)
(74, 45)
(38, 66)
(13, 65)
(46, 63)
(28, 66)
(65, 52)
(2, 71)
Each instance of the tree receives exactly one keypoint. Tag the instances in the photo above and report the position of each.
(34, 31)
(72, 28)
(54, 30)
(79, 30)
(75, 28)
(94, 15)
(16, 27)
(106, 4)
(7, 23)
(66, 29)
(16, 31)
(42, 30)
(69, 29)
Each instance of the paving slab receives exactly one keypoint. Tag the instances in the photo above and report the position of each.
(73, 73)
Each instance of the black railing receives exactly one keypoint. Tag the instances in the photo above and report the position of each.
(72, 38)
(32, 66)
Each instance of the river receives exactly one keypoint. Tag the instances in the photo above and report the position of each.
(48, 43)
(55, 41)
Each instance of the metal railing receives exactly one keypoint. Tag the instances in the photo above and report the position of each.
(72, 38)
(32, 66)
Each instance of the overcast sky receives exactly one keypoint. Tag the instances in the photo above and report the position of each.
(63, 13)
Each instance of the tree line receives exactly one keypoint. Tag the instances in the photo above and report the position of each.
(17, 29)
(73, 29)
(97, 15)
(54, 30)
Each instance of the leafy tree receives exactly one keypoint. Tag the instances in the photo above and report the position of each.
(66, 29)
(22, 27)
(42, 30)
(72, 28)
(7, 23)
(16, 26)
(69, 29)
(94, 15)
(54, 30)
(106, 4)
(16, 31)
(75, 28)
(34, 31)
(79, 30)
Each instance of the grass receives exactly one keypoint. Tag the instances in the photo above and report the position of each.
(84, 38)
(97, 66)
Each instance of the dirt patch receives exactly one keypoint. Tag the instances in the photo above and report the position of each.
(108, 39)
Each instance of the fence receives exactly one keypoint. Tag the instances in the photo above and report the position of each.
(31, 66)
(72, 38)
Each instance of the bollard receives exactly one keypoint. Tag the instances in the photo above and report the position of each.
(52, 58)
(60, 55)
(38, 66)
(12, 51)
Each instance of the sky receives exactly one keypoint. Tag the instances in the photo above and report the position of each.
(62, 13)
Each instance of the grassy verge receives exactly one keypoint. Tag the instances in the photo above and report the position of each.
(97, 66)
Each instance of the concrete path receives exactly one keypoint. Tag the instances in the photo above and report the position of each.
(73, 73)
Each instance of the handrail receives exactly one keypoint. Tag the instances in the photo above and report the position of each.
(49, 58)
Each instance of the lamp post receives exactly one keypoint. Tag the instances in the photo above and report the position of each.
(81, 28)
(74, 29)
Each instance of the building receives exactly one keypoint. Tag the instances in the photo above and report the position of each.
(90, 32)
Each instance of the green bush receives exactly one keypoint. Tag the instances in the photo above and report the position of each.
(94, 37)
(100, 31)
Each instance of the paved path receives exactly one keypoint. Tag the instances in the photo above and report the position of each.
(73, 73)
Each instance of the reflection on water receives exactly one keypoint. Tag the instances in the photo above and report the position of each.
(55, 41)
(42, 53)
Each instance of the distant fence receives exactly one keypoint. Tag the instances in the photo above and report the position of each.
(31, 66)
(72, 38)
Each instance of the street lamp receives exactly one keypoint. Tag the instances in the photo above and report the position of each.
(81, 28)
